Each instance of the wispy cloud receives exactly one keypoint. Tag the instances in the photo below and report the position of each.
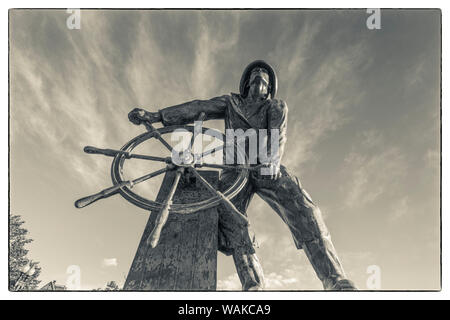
(230, 283)
(400, 209)
(323, 93)
(276, 281)
(432, 158)
(372, 175)
(109, 262)
(372, 169)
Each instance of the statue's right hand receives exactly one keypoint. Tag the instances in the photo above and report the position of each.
(138, 115)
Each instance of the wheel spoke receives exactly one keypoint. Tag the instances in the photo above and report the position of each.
(195, 133)
(113, 153)
(224, 166)
(164, 142)
(163, 214)
(191, 143)
(150, 175)
(210, 151)
(83, 202)
(241, 218)
(158, 136)
(152, 158)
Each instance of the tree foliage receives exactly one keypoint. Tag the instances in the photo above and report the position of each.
(112, 286)
(18, 239)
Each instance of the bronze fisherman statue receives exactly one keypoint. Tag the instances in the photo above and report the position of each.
(256, 107)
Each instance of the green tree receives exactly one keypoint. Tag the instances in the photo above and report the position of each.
(18, 238)
(112, 286)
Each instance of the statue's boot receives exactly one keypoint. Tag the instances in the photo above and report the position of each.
(249, 271)
(323, 258)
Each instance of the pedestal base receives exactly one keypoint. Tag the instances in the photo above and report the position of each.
(186, 256)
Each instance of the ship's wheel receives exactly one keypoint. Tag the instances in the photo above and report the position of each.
(187, 162)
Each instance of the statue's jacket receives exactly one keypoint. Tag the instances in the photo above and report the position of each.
(284, 194)
(268, 114)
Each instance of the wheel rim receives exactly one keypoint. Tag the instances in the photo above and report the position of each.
(136, 199)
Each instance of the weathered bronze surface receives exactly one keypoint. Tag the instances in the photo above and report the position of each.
(186, 256)
(256, 108)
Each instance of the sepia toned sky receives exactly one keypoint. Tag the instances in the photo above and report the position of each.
(363, 131)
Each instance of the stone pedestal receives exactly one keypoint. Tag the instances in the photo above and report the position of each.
(186, 256)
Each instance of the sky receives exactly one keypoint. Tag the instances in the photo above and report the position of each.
(363, 132)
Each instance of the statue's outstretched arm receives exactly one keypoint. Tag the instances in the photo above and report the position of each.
(183, 113)
(190, 111)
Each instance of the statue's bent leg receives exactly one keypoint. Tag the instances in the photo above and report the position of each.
(304, 219)
(240, 241)
(249, 270)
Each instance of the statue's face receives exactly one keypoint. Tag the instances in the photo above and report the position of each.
(259, 83)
